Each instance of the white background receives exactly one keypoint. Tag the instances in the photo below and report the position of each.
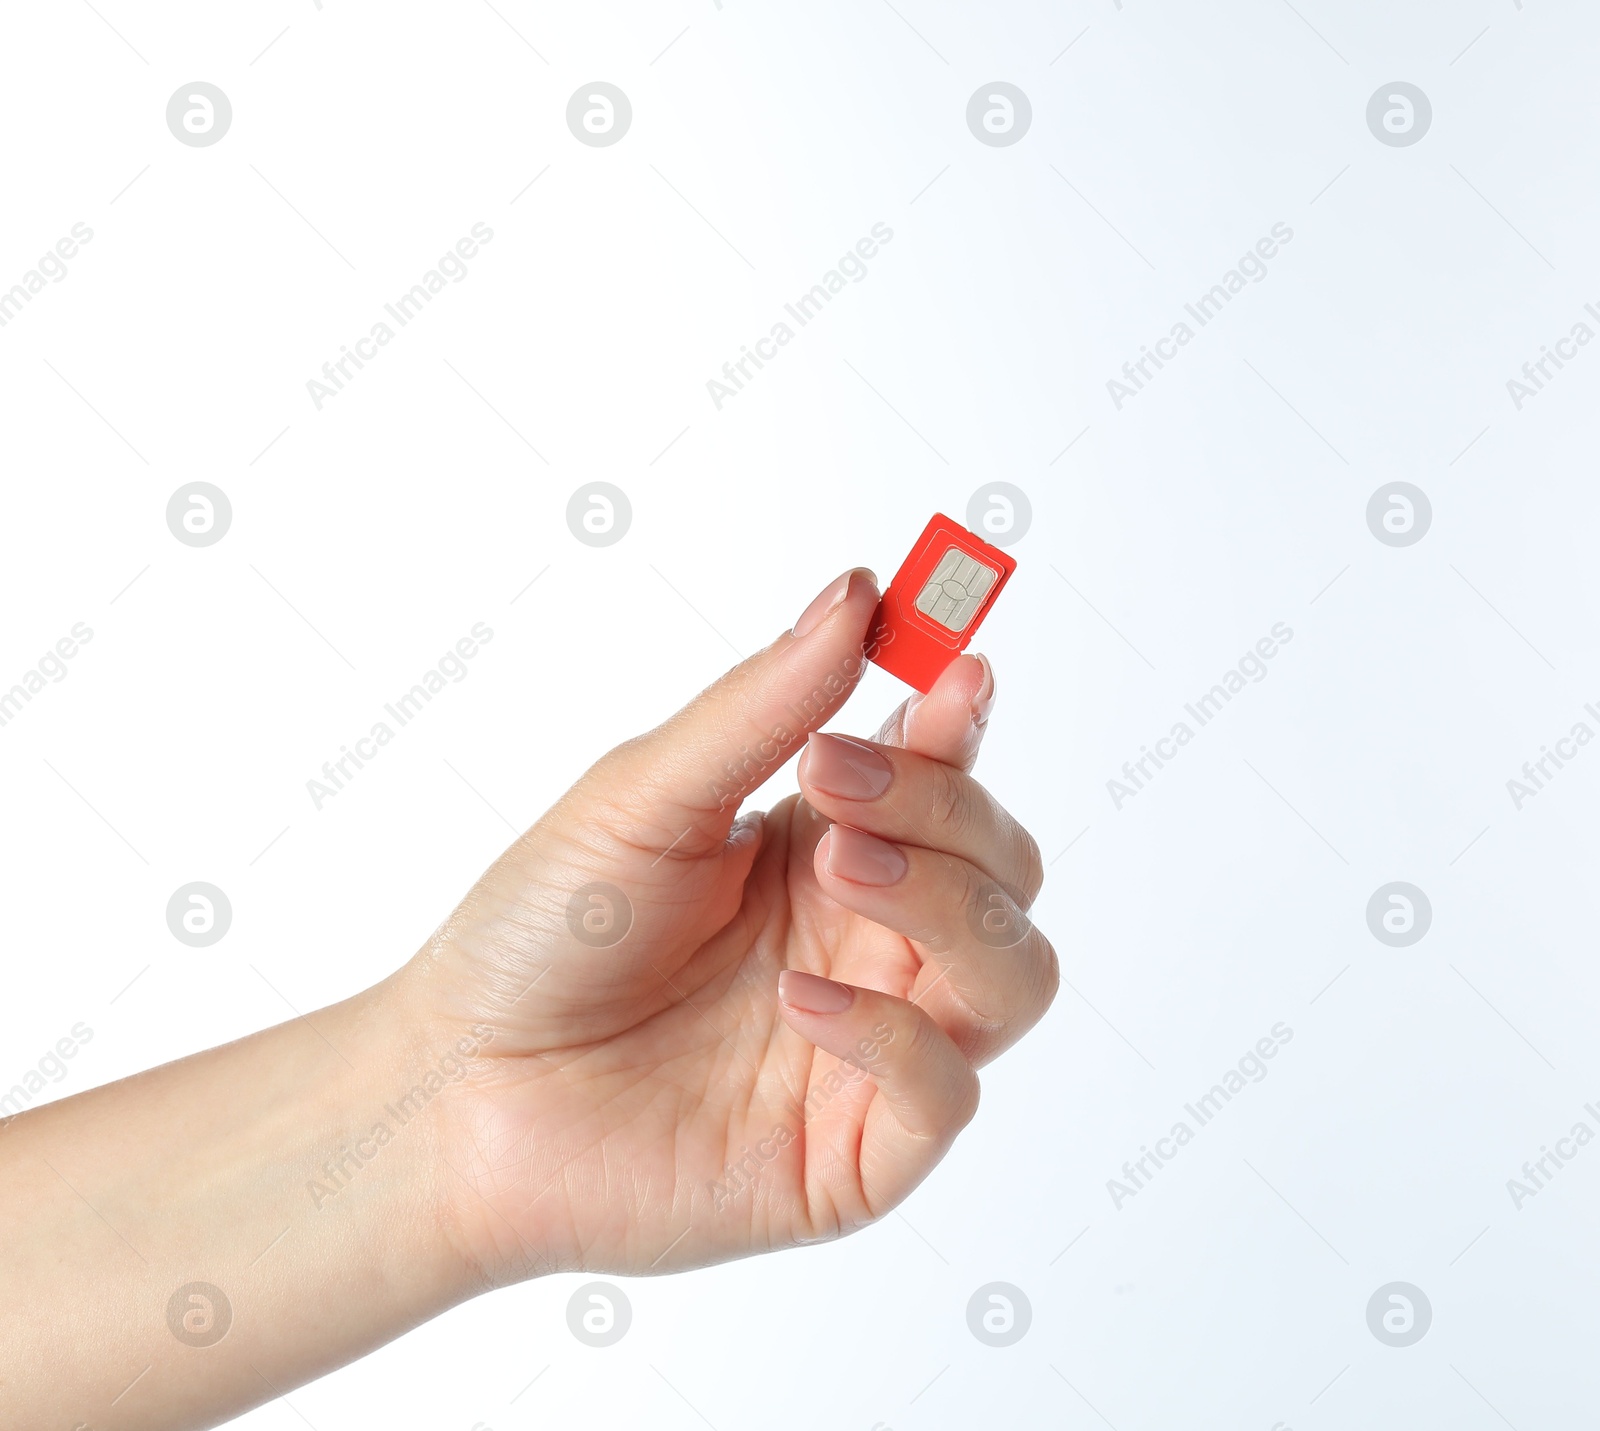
(766, 139)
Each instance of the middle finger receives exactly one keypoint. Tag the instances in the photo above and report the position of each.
(915, 800)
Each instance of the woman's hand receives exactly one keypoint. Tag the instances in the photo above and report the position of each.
(701, 1036)
(655, 1034)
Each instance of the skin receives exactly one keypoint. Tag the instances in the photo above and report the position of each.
(643, 1099)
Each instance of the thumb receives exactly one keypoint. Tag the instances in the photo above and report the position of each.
(680, 785)
(948, 722)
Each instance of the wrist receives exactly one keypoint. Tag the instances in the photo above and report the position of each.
(463, 1071)
(244, 1223)
(388, 1166)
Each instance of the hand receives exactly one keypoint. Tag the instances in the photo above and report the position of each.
(700, 1036)
(689, 1035)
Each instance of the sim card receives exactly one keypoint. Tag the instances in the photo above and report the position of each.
(936, 601)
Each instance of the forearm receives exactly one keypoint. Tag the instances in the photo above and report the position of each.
(253, 1168)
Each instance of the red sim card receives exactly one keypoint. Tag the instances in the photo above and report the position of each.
(933, 606)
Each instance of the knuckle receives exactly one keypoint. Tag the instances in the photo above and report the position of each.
(950, 802)
(1035, 992)
(971, 1096)
(1049, 976)
(978, 890)
(1032, 862)
(917, 1039)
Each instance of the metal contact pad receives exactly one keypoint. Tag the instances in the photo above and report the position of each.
(956, 590)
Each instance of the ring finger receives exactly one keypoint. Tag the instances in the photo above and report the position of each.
(987, 975)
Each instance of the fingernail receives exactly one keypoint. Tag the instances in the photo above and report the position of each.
(983, 701)
(813, 995)
(748, 828)
(837, 765)
(862, 858)
(825, 600)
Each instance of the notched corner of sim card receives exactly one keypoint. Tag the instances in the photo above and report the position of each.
(942, 592)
